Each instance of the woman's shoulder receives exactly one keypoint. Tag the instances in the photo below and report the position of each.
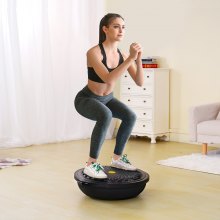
(94, 49)
(94, 53)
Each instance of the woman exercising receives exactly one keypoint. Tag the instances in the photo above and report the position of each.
(106, 64)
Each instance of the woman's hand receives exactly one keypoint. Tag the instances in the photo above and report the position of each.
(139, 56)
(135, 51)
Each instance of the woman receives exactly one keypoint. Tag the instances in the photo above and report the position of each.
(106, 64)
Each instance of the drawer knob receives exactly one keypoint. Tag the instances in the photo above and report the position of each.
(144, 113)
(129, 100)
(129, 88)
(144, 125)
(148, 76)
(145, 101)
(126, 76)
(144, 88)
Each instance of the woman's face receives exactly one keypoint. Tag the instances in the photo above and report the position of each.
(115, 30)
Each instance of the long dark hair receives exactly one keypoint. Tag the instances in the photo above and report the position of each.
(106, 20)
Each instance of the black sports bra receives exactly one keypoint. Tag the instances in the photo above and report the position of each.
(92, 75)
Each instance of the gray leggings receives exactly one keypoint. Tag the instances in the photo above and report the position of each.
(101, 109)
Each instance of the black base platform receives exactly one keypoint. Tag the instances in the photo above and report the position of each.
(120, 184)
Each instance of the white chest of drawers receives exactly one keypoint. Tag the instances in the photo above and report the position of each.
(150, 102)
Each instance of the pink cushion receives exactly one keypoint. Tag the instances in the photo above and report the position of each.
(218, 116)
(211, 127)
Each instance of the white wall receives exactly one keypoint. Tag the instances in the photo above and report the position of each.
(185, 34)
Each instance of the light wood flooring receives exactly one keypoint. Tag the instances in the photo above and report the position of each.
(46, 190)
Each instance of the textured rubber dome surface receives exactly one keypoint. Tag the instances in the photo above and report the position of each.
(120, 184)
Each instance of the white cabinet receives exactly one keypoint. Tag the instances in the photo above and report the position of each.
(150, 102)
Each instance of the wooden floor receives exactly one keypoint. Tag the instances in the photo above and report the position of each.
(46, 190)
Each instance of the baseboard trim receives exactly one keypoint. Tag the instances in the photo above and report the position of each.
(176, 137)
(184, 138)
(173, 136)
(179, 137)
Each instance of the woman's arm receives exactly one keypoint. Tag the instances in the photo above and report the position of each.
(94, 60)
(136, 70)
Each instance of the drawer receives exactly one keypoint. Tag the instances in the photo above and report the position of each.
(126, 78)
(138, 101)
(148, 76)
(143, 113)
(142, 126)
(134, 89)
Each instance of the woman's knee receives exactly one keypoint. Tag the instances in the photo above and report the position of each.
(105, 116)
(131, 117)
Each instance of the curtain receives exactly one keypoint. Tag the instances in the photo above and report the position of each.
(43, 46)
